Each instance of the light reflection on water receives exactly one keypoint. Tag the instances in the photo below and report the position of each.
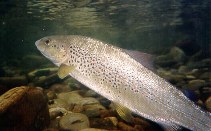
(137, 21)
(138, 14)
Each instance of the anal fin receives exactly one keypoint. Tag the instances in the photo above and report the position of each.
(123, 112)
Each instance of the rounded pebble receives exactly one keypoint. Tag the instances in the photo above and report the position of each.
(74, 122)
(208, 103)
(196, 84)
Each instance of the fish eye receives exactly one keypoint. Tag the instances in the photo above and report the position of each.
(47, 42)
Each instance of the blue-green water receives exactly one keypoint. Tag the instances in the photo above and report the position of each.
(147, 25)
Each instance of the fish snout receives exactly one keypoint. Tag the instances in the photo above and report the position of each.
(39, 46)
(37, 42)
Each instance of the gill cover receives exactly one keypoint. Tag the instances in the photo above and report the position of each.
(52, 49)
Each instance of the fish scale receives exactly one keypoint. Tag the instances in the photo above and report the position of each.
(111, 72)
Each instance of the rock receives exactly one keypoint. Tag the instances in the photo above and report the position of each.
(107, 113)
(51, 95)
(90, 93)
(164, 61)
(78, 109)
(174, 57)
(60, 103)
(114, 120)
(13, 81)
(11, 97)
(205, 63)
(57, 111)
(190, 77)
(181, 84)
(45, 81)
(205, 75)
(196, 84)
(54, 123)
(124, 127)
(51, 129)
(72, 83)
(208, 103)
(183, 69)
(177, 54)
(88, 101)
(41, 72)
(24, 108)
(93, 129)
(194, 72)
(175, 78)
(142, 122)
(105, 102)
(58, 88)
(139, 128)
(72, 98)
(200, 103)
(102, 123)
(93, 110)
(188, 46)
(74, 122)
(88, 105)
(171, 77)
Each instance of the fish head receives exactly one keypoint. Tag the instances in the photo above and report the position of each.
(53, 48)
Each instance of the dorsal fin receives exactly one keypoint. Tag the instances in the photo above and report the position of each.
(145, 59)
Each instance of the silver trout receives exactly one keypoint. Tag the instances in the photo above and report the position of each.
(114, 74)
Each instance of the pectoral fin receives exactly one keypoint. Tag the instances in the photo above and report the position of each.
(64, 70)
(123, 112)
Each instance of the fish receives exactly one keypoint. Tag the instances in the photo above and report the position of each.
(118, 75)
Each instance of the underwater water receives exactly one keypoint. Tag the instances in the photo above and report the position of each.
(175, 32)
